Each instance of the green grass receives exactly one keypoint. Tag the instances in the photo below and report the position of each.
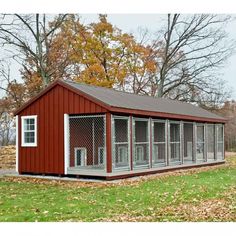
(170, 198)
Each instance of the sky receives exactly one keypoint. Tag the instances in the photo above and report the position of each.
(131, 22)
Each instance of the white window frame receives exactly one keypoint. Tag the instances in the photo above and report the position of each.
(85, 158)
(99, 156)
(34, 144)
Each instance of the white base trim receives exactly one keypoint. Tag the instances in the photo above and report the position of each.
(74, 171)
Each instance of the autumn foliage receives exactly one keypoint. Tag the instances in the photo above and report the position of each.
(97, 53)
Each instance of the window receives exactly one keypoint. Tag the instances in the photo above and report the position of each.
(29, 131)
(101, 155)
(80, 157)
(122, 155)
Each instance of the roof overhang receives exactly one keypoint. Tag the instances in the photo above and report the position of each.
(119, 109)
(166, 115)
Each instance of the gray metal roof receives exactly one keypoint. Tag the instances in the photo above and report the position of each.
(120, 99)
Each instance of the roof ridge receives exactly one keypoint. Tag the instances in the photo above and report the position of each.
(134, 94)
(119, 91)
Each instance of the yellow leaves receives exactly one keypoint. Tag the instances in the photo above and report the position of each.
(98, 53)
(151, 66)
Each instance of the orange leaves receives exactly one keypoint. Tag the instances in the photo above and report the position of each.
(98, 53)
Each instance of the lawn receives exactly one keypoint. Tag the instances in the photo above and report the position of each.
(206, 194)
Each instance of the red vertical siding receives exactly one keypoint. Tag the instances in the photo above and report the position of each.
(48, 156)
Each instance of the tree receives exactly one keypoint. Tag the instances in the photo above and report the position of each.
(13, 91)
(189, 51)
(7, 133)
(228, 110)
(99, 53)
(29, 37)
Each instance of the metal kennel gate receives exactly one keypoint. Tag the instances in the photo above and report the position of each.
(87, 142)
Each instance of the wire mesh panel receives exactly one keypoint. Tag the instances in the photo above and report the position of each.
(87, 142)
(141, 143)
(121, 150)
(220, 142)
(159, 143)
(175, 142)
(210, 134)
(200, 143)
(188, 142)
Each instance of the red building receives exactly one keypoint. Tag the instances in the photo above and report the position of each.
(82, 130)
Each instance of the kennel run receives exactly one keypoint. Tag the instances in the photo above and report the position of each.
(83, 130)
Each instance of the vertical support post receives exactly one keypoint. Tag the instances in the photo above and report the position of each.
(150, 142)
(131, 141)
(66, 143)
(205, 142)
(168, 143)
(93, 140)
(194, 142)
(181, 142)
(113, 154)
(17, 144)
(108, 143)
(215, 142)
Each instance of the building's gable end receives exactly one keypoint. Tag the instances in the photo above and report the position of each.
(89, 99)
(48, 156)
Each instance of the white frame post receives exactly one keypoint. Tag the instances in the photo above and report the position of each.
(205, 143)
(66, 143)
(17, 144)
(194, 142)
(182, 142)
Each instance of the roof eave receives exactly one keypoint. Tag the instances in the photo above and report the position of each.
(167, 115)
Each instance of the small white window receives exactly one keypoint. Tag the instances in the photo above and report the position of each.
(29, 131)
(122, 155)
(80, 157)
(139, 154)
(101, 155)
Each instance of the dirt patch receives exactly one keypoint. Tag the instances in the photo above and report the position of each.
(7, 157)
